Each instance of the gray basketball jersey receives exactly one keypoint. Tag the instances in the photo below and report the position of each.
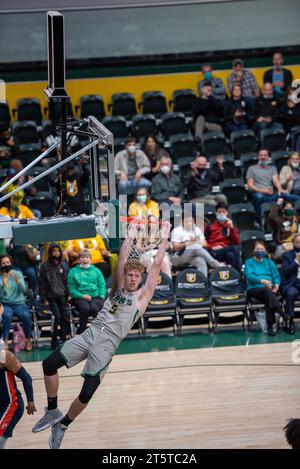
(118, 314)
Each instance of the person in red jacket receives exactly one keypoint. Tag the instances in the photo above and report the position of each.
(223, 238)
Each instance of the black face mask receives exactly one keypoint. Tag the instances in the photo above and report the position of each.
(5, 269)
(71, 177)
(297, 249)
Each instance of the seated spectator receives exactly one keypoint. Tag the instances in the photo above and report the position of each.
(289, 177)
(12, 297)
(189, 246)
(202, 179)
(267, 110)
(290, 111)
(263, 281)
(290, 271)
(77, 184)
(218, 88)
(246, 80)
(131, 167)
(96, 247)
(284, 222)
(261, 179)
(9, 147)
(223, 238)
(16, 166)
(154, 152)
(54, 292)
(236, 112)
(87, 289)
(280, 77)
(13, 206)
(24, 259)
(207, 112)
(64, 246)
(143, 206)
(167, 187)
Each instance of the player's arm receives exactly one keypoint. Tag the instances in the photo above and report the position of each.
(146, 292)
(12, 364)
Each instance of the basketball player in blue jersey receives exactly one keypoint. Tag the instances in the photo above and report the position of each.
(11, 402)
(126, 303)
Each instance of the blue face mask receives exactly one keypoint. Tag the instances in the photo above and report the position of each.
(260, 254)
(207, 75)
(264, 163)
(220, 217)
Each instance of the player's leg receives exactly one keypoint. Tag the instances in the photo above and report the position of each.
(9, 418)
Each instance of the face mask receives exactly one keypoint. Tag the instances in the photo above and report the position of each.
(141, 198)
(6, 269)
(296, 249)
(207, 75)
(220, 217)
(85, 266)
(71, 177)
(264, 163)
(289, 212)
(295, 165)
(201, 170)
(131, 149)
(165, 169)
(260, 254)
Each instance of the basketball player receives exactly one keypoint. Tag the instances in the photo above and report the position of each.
(97, 344)
(11, 402)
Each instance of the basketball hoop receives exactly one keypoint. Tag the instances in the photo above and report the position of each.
(144, 235)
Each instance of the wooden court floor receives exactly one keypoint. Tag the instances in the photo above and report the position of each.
(229, 397)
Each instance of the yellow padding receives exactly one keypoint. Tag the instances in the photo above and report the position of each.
(161, 302)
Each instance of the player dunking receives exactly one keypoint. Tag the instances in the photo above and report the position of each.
(97, 344)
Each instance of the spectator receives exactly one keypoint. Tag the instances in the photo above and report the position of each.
(143, 206)
(54, 292)
(223, 238)
(154, 152)
(263, 281)
(24, 259)
(77, 183)
(244, 78)
(218, 88)
(289, 176)
(236, 112)
(87, 289)
(207, 112)
(189, 246)
(16, 166)
(131, 165)
(13, 207)
(96, 247)
(290, 269)
(290, 111)
(292, 433)
(167, 187)
(12, 297)
(266, 110)
(261, 179)
(202, 179)
(284, 222)
(280, 78)
(9, 147)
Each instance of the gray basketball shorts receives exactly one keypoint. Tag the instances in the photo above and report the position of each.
(95, 346)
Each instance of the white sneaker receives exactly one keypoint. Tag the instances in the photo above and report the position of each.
(57, 434)
(50, 418)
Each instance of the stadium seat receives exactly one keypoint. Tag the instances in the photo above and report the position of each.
(173, 123)
(47, 129)
(44, 183)
(214, 143)
(229, 165)
(265, 210)
(4, 112)
(293, 136)
(153, 102)
(119, 144)
(234, 189)
(280, 158)
(28, 109)
(210, 213)
(143, 125)
(123, 104)
(243, 216)
(183, 101)
(183, 149)
(117, 126)
(54, 110)
(273, 139)
(248, 239)
(228, 296)
(28, 152)
(45, 202)
(243, 141)
(91, 105)
(161, 306)
(25, 131)
(193, 297)
(247, 160)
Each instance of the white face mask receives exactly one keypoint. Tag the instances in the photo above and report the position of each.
(295, 165)
(165, 169)
(131, 149)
